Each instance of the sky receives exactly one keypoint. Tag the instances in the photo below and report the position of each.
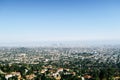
(59, 20)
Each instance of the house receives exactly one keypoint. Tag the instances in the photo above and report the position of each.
(8, 76)
(87, 76)
(30, 77)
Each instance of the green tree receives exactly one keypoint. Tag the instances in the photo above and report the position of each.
(110, 74)
(2, 77)
(102, 74)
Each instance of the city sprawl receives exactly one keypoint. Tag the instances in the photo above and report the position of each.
(60, 63)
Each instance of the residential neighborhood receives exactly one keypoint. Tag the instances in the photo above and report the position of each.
(96, 63)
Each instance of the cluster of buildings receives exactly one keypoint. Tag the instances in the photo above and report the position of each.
(36, 55)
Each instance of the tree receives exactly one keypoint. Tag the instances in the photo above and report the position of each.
(2, 77)
(110, 73)
(102, 74)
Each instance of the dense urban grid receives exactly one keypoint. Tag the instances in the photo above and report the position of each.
(60, 63)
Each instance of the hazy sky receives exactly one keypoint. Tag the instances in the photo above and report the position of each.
(56, 20)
